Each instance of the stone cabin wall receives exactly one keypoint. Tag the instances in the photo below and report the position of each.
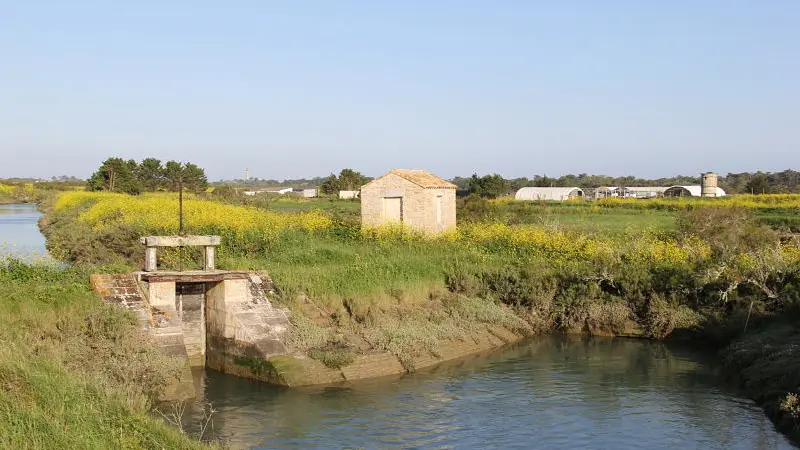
(419, 204)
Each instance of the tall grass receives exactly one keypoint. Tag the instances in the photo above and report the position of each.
(75, 373)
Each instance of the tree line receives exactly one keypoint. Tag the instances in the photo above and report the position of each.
(130, 177)
(118, 175)
(494, 185)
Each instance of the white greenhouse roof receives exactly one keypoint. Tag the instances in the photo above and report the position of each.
(547, 193)
(646, 188)
(696, 190)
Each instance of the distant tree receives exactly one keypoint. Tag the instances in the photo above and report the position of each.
(330, 185)
(150, 174)
(489, 186)
(758, 184)
(193, 177)
(544, 181)
(115, 175)
(348, 180)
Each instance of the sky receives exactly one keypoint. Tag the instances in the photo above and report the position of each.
(301, 88)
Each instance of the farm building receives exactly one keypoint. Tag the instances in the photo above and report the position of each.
(549, 193)
(641, 191)
(348, 195)
(415, 198)
(273, 191)
(690, 191)
(606, 191)
(309, 193)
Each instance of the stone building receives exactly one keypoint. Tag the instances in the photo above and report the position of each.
(415, 198)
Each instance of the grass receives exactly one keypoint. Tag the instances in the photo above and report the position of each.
(613, 223)
(328, 267)
(74, 372)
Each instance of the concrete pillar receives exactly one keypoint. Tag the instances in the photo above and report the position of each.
(162, 295)
(150, 263)
(208, 260)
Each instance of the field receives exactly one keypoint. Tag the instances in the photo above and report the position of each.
(316, 246)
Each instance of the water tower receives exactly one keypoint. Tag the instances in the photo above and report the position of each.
(709, 186)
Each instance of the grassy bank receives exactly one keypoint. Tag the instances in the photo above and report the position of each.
(653, 279)
(75, 373)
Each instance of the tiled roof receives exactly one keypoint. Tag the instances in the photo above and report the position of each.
(422, 178)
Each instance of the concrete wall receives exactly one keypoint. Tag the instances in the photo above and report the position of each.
(419, 204)
(244, 330)
(190, 301)
(227, 325)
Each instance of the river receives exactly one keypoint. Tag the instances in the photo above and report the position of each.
(19, 232)
(547, 392)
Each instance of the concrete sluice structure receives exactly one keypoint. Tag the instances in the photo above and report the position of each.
(213, 318)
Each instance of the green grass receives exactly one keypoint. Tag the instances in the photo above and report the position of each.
(323, 266)
(610, 223)
(74, 372)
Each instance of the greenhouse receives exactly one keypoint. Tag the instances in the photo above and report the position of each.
(549, 193)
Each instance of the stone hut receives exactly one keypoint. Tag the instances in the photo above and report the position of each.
(415, 198)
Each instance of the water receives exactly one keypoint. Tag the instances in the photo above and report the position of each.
(550, 392)
(19, 232)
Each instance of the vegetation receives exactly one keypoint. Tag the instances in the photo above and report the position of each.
(130, 177)
(787, 181)
(489, 186)
(348, 180)
(75, 373)
(531, 266)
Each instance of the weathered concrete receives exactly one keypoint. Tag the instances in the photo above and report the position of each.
(153, 242)
(226, 323)
(179, 241)
(244, 330)
(190, 300)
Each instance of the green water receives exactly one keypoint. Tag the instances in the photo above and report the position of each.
(551, 392)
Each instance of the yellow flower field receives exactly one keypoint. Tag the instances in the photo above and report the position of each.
(743, 201)
(159, 213)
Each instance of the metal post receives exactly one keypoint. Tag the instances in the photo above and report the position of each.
(180, 205)
(180, 221)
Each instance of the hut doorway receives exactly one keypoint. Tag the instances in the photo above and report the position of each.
(393, 209)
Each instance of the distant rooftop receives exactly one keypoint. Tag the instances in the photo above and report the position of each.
(422, 178)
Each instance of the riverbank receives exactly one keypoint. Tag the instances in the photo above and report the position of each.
(75, 373)
(765, 363)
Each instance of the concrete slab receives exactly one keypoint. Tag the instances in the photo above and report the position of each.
(180, 241)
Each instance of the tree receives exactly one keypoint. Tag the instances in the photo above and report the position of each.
(115, 175)
(758, 184)
(489, 186)
(348, 180)
(150, 174)
(193, 177)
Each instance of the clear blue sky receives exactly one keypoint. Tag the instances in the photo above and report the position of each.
(303, 88)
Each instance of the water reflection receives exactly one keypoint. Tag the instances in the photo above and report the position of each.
(551, 392)
(19, 232)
